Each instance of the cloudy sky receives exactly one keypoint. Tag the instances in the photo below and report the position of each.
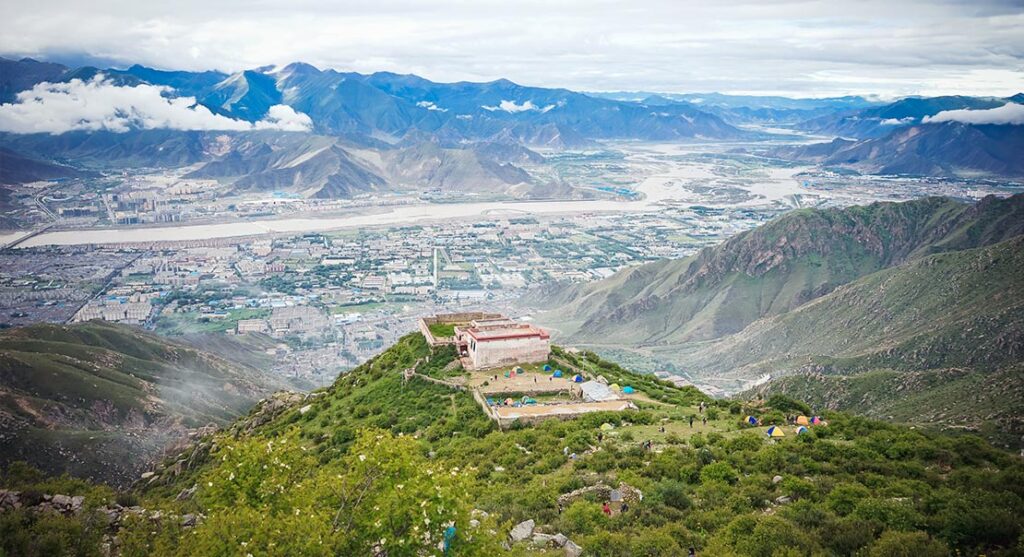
(807, 48)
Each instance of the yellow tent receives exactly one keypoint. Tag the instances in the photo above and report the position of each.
(614, 387)
(803, 420)
(775, 431)
(607, 426)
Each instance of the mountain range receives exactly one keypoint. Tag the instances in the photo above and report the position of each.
(927, 285)
(390, 132)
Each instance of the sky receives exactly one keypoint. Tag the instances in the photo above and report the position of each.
(811, 48)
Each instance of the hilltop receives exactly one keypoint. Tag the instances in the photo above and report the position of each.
(384, 461)
(101, 400)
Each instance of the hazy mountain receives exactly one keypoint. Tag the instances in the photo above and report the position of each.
(106, 150)
(19, 75)
(750, 109)
(101, 400)
(18, 169)
(389, 106)
(773, 269)
(879, 121)
(944, 149)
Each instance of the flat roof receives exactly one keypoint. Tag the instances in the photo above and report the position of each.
(503, 333)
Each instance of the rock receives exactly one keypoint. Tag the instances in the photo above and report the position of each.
(305, 409)
(542, 539)
(10, 499)
(474, 523)
(571, 549)
(61, 502)
(776, 479)
(782, 500)
(76, 503)
(188, 520)
(559, 540)
(186, 494)
(112, 514)
(522, 531)
(147, 475)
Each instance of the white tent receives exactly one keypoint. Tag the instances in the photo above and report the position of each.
(592, 391)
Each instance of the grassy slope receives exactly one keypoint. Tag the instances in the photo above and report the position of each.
(707, 486)
(82, 398)
(962, 308)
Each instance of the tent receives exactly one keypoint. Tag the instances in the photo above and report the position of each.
(558, 373)
(628, 390)
(803, 420)
(592, 391)
(775, 431)
(607, 426)
(518, 369)
(800, 430)
(615, 387)
(577, 378)
(528, 400)
(490, 401)
(752, 420)
(816, 420)
(547, 367)
(508, 402)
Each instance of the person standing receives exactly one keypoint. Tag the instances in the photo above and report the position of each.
(606, 509)
(691, 422)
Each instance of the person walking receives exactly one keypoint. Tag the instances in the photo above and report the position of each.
(705, 420)
(691, 422)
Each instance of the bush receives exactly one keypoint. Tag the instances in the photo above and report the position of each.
(718, 472)
(673, 494)
(907, 544)
(844, 497)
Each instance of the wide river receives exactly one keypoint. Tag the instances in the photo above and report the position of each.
(659, 185)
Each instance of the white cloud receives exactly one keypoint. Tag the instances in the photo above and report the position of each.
(98, 104)
(512, 108)
(284, 118)
(897, 121)
(430, 106)
(806, 47)
(1009, 113)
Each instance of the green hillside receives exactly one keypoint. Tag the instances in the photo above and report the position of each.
(99, 400)
(376, 464)
(963, 308)
(770, 270)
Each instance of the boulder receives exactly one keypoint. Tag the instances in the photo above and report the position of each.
(782, 500)
(188, 520)
(571, 549)
(10, 499)
(559, 540)
(522, 531)
(542, 539)
(776, 479)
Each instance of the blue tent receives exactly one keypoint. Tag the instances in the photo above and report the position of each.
(558, 373)
(577, 378)
(628, 390)
(547, 367)
(800, 430)
(752, 420)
